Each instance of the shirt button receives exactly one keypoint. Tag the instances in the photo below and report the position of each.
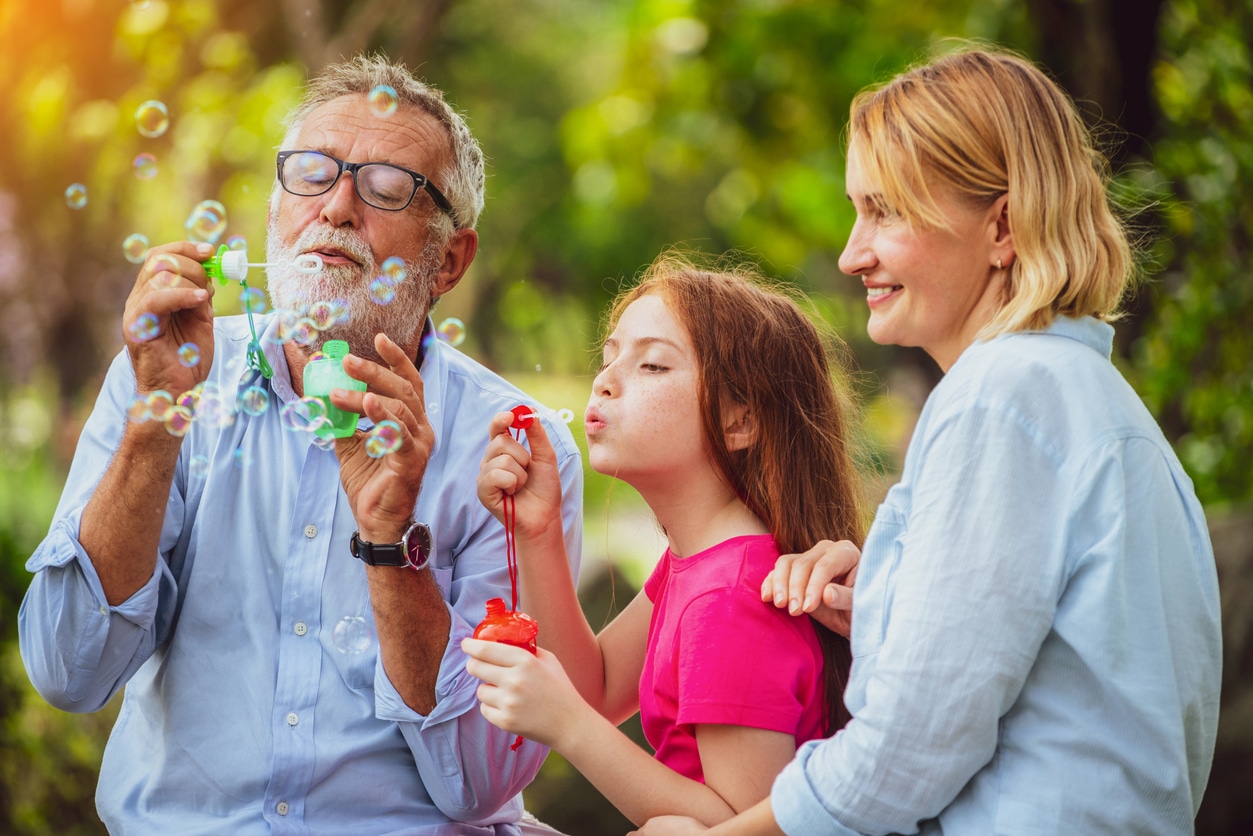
(282, 808)
(301, 629)
(311, 531)
(104, 610)
(292, 719)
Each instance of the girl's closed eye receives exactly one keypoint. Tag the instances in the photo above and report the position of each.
(654, 367)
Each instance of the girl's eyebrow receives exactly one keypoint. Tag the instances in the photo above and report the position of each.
(611, 342)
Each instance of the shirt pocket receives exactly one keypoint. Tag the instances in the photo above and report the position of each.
(872, 591)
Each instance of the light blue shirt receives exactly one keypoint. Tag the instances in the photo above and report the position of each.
(243, 712)
(1035, 630)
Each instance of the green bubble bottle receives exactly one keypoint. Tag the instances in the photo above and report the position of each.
(321, 376)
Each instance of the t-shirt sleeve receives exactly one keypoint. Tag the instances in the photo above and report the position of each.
(742, 662)
(656, 580)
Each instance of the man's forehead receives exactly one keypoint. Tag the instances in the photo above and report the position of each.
(350, 126)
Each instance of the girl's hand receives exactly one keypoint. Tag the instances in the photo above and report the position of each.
(530, 477)
(524, 694)
(818, 582)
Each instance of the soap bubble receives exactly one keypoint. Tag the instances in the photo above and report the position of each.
(198, 467)
(382, 290)
(307, 414)
(152, 118)
(236, 243)
(178, 421)
(207, 222)
(538, 367)
(324, 442)
(432, 409)
(565, 416)
(164, 270)
(384, 437)
(394, 269)
(145, 166)
(240, 458)
(190, 398)
(352, 635)
(138, 409)
(145, 327)
(304, 332)
(254, 400)
(252, 300)
(76, 196)
(135, 248)
(211, 409)
(160, 403)
(452, 331)
(189, 354)
(383, 100)
(323, 315)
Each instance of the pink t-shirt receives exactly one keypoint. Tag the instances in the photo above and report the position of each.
(718, 654)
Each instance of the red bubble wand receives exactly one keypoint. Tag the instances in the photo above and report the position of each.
(511, 626)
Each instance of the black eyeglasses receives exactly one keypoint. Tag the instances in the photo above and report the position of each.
(381, 185)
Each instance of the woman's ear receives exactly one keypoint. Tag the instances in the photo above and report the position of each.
(739, 430)
(1002, 243)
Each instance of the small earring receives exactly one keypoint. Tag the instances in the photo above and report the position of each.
(998, 264)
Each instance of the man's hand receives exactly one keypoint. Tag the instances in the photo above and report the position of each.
(383, 491)
(170, 304)
(818, 582)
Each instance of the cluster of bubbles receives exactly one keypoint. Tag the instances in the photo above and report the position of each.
(383, 286)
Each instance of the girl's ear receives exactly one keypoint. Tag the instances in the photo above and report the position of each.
(739, 430)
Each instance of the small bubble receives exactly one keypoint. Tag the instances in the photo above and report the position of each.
(178, 421)
(384, 437)
(565, 416)
(303, 332)
(145, 166)
(190, 399)
(135, 248)
(152, 118)
(76, 196)
(145, 327)
(304, 415)
(139, 409)
(382, 290)
(207, 222)
(432, 409)
(383, 100)
(316, 356)
(538, 368)
(241, 459)
(322, 314)
(254, 400)
(236, 243)
(324, 442)
(394, 269)
(452, 331)
(164, 270)
(189, 355)
(352, 635)
(160, 403)
(252, 300)
(198, 467)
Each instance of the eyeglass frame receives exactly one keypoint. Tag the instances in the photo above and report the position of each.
(420, 181)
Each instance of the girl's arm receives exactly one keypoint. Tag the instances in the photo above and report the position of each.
(532, 696)
(546, 591)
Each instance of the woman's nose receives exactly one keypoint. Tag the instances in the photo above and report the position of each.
(858, 255)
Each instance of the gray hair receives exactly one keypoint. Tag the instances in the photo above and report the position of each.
(462, 180)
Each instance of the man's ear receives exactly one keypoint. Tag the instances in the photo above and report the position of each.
(739, 429)
(457, 257)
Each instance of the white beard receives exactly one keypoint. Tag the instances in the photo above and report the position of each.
(349, 285)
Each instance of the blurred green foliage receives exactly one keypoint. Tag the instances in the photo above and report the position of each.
(613, 129)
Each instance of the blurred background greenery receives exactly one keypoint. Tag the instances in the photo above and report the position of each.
(613, 129)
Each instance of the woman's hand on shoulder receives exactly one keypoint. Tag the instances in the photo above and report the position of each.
(818, 582)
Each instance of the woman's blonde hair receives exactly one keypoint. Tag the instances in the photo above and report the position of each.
(986, 123)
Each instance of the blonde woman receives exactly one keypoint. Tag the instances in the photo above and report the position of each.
(1035, 626)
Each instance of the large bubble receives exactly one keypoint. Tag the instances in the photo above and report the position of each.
(76, 196)
(383, 100)
(207, 222)
(152, 118)
(452, 331)
(382, 290)
(384, 438)
(352, 635)
(145, 166)
(135, 248)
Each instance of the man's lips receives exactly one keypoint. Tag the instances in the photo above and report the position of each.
(334, 255)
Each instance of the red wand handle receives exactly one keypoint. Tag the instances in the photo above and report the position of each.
(508, 627)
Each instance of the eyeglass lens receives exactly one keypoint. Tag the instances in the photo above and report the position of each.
(384, 186)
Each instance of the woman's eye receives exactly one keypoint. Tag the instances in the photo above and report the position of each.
(653, 367)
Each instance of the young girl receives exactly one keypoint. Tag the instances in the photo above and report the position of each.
(716, 403)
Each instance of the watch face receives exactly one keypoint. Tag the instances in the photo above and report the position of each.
(417, 542)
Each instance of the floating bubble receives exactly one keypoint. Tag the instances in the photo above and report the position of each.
(323, 315)
(382, 290)
(394, 268)
(432, 409)
(565, 416)
(427, 339)
(198, 467)
(152, 118)
(160, 403)
(135, 248)
(352, 635)
(190, 399)
(145, 327)
(139, 409)
(384, 437)
(304, 332)
(76, 196)
(240, 458)
(254, 400)
(538, 367)
(207, 222)
(324, 442)
(164, 270)
(316, 356)
(252, 300)
(452, 331)
(189, 355)
(178, 421)
(383, 100)
(236, 243)
(304, 415)
(211, 409)
(145, 166)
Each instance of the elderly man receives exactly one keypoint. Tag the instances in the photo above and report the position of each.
(286, 614)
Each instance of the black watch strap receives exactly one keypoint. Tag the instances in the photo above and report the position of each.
(414, 549)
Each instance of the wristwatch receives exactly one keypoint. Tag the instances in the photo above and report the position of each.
(414, 549)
